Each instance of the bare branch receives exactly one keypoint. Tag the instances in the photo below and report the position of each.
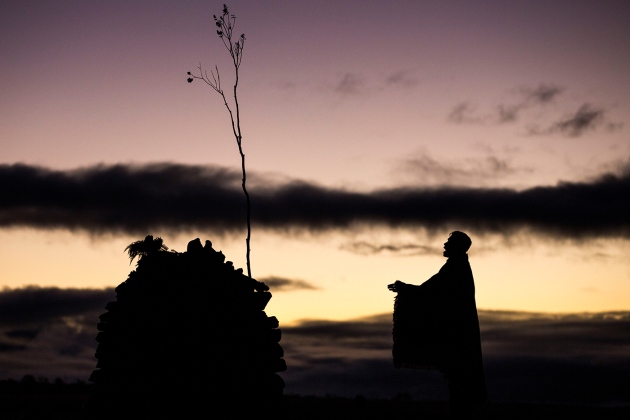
(225, 24)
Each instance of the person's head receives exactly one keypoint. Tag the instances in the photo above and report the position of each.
(458, 243)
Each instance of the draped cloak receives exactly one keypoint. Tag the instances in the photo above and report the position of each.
(436, 326)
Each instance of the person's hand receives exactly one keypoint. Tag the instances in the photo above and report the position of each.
(396, 286)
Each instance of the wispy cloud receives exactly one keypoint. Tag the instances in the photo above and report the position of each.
(527, 98)
(465, 113)
(478, 171)
(402, 78)
(350, 84)
(508, 113)
(176, 198)
(282, 284)
(367, 248)
(541, 95)
(353, 83)
(586, 118)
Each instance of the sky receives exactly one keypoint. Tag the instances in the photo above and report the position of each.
(371, 130)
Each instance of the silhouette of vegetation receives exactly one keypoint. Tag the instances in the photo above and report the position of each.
(145, 247)
(225, 24)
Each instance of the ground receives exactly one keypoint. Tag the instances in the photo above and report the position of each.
(64, 402)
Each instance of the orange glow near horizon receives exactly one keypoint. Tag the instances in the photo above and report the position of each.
(541, 277)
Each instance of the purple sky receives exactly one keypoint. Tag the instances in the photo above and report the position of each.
(354, 87)
(371, 130)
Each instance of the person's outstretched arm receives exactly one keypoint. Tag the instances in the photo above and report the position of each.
(399, 286)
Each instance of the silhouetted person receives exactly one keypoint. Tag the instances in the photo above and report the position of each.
(436, 327)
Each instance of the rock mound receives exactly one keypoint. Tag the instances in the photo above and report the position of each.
(186, 335)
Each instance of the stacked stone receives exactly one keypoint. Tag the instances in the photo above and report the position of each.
(187, 334)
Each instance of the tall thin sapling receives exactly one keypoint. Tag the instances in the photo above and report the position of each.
(225, 24)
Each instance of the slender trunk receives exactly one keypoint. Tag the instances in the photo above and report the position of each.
(239, 138)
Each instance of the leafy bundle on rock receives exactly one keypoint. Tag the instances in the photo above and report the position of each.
(187, 333)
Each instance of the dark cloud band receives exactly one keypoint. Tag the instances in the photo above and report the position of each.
(156, 197)
(39, 305)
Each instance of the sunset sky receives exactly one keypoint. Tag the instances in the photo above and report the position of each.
(371, 129)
